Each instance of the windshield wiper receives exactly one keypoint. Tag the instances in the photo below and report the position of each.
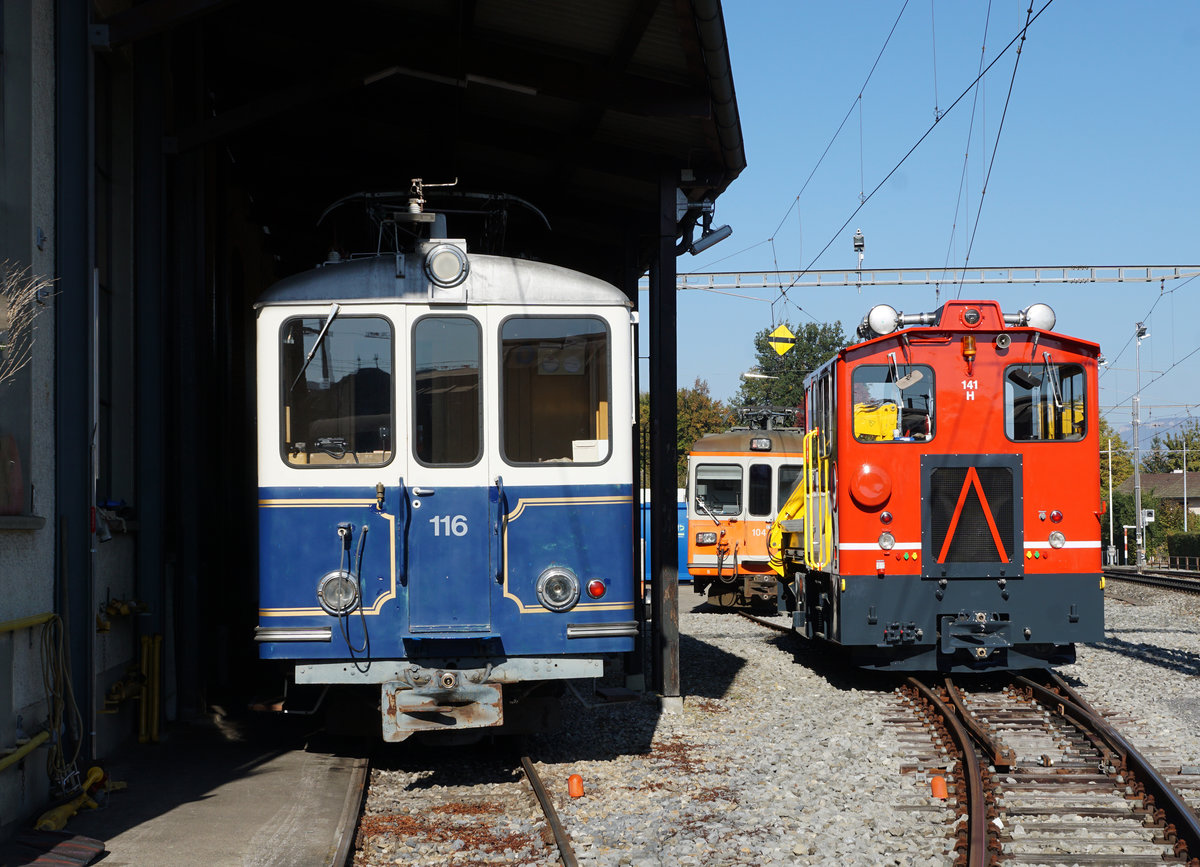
(703, 506)
(333, 312)
(1052, 376)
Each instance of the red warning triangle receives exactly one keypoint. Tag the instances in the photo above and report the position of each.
(972, 481)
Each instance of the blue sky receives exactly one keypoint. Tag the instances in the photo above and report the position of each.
(1096, 165)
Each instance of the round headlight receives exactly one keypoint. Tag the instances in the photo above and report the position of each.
(887, 541)
(558, 588)
(1057, 539)
(882, 319)
(446, 265)
(1039, 316)
(337, 592)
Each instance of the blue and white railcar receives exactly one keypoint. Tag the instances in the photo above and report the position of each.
(445, 484)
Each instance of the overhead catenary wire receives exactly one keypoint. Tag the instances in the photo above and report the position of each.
(996, 146)
(1111, 363)
(1147, 384)
(861, 178)
(963, 188)
(916, 145)
(846, 117)
(933, 54)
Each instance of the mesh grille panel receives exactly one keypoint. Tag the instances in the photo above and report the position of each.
(972, 540)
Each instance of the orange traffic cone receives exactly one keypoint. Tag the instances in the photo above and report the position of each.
(575, 786)
(937, 787)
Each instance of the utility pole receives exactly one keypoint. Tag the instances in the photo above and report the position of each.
(1112, 542)
(1139, 518)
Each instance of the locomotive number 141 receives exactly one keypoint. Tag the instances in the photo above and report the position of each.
(447, 525)
(969, 386)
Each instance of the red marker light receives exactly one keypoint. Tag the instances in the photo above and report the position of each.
(885, 517)
(1056, 516)
(596, 588)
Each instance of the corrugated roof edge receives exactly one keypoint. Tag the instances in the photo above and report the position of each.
(710, 23)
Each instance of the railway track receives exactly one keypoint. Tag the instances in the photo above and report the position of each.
(776, 625)
(1186, 582)
(473, 809)
(1040, 777)
(1037, 776)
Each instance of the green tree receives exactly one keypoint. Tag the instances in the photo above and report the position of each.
(816, 343)
(1167, 451)
(1168, 518)
(1121, 459)
(697, 414)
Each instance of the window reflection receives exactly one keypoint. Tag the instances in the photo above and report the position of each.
(447, 399)
(1045, 402)
(339, 410)
(719, 489)
(555, 390)
(893, 404)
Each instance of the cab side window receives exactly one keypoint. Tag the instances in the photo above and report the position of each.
(554, 390)
(719, 489)
(447, 401)
(789, 475)
(1044, 403)
(893, 404)
(759, 501)
(338, 400)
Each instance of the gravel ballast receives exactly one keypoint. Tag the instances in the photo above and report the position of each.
(783, 755)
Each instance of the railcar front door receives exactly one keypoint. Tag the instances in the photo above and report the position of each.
(448, 526)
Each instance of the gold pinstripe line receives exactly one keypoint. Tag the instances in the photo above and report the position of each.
(384, 597)
(532, 502)
(390, 594)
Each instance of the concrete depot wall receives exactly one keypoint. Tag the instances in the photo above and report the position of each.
(28, 553)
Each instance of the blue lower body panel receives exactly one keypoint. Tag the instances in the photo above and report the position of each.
(450, 575)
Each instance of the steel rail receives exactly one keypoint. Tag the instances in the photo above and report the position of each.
(1068, 704)
(1183, 585)
(977, 854)
(1002, 757)
(565, 851)
(778, 627)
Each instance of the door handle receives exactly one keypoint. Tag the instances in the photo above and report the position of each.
(402, 516)
(424, 492)
(498, 529)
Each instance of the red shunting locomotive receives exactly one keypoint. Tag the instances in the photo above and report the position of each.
(948, 515)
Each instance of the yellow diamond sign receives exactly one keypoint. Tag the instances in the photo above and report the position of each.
(781, 339)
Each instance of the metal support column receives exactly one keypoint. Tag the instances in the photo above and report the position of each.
(664, 568)
(150, 326)
(74, 316)
(635, 661)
